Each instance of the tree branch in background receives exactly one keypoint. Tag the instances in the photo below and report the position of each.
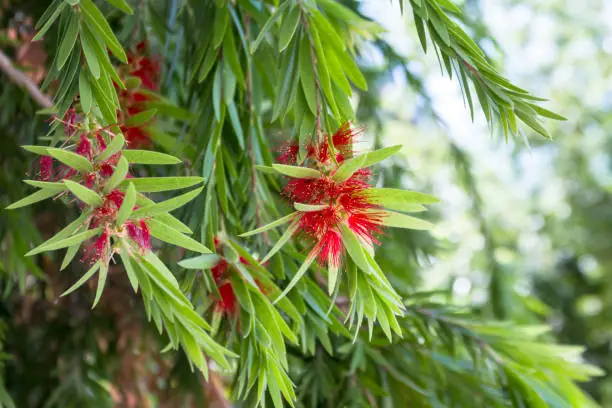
(19, 78)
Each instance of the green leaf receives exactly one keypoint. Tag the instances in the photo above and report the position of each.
(164, 233)
(288, 27)
(279, 11)
(84, 194)
(140, 118)
(68, 40)
(71, 159)
(101, 282)
(85, 92)
(298, 275)
(157, 184)
(82, 280)
(39, 150)
(32, 198)
(310, 207)
(97, 22)
(149, 157)
(293, 227)
(273, 224)
(129, 200)
(308, 75)
(64, 243)
(398, 220)
(350, 166)
(121, 5)
(113, 147)
(47, 185)
(297, 172)
(52, 17)
(70, 254)
(220, 25)
(231, 56)
(119, 175)
(166, 206)
(400, 200)
(87, 44)
(205, 261)
(355, 249)
(127, 264)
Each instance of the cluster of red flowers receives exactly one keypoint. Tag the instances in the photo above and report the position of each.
(91, 146)
(227, 301)
(132, 101)
(345, 202)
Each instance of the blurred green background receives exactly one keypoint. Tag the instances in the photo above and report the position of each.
(531, 215)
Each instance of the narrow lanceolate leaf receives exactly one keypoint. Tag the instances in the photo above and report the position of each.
(310, 207)
(113, 147)
(205, 261)
(68, 41)
(164, 233)
(129, 200)
(52, 17)
(32, 198)
(127, 264)
(273, 224)
(75, 239)
(84, 194)
(71, 159)
(279, 11)
(97, 22)
(288, 28)
(297, 172)
(166, 206)
(119, 175)
(83, 279)
(47, 185)
(355, 249)
(85, 92)
(121, 5)
(157, 184)
(101, 282)
(399, 200)
(40, 150)
(141, 118)
(293, 227)
(298, 275)
(398, 220)
(149, 157)
(364, 160)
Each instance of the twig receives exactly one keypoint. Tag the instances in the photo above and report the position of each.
(21, 79)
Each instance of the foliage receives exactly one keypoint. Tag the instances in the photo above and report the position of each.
(281, 328)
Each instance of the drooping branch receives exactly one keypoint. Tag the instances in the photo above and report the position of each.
(19, 78)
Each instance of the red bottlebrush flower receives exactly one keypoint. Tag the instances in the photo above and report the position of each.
(45, 170)
(89, 180)
(218, 271)
(69, 122)
(148, 69)
(331, 248)
(288, 153)
(136, 136)
(139, 233)
(99, 250)
(101, 142)
(115, 197)
(84, 147)
(227, 301)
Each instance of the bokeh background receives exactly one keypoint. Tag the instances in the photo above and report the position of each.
(531, 214)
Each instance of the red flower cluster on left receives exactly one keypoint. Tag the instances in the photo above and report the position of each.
(133, 101)
(91, 145)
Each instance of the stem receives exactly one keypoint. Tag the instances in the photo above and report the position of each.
(19, 78)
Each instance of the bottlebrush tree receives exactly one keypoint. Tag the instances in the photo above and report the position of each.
(208, 183)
